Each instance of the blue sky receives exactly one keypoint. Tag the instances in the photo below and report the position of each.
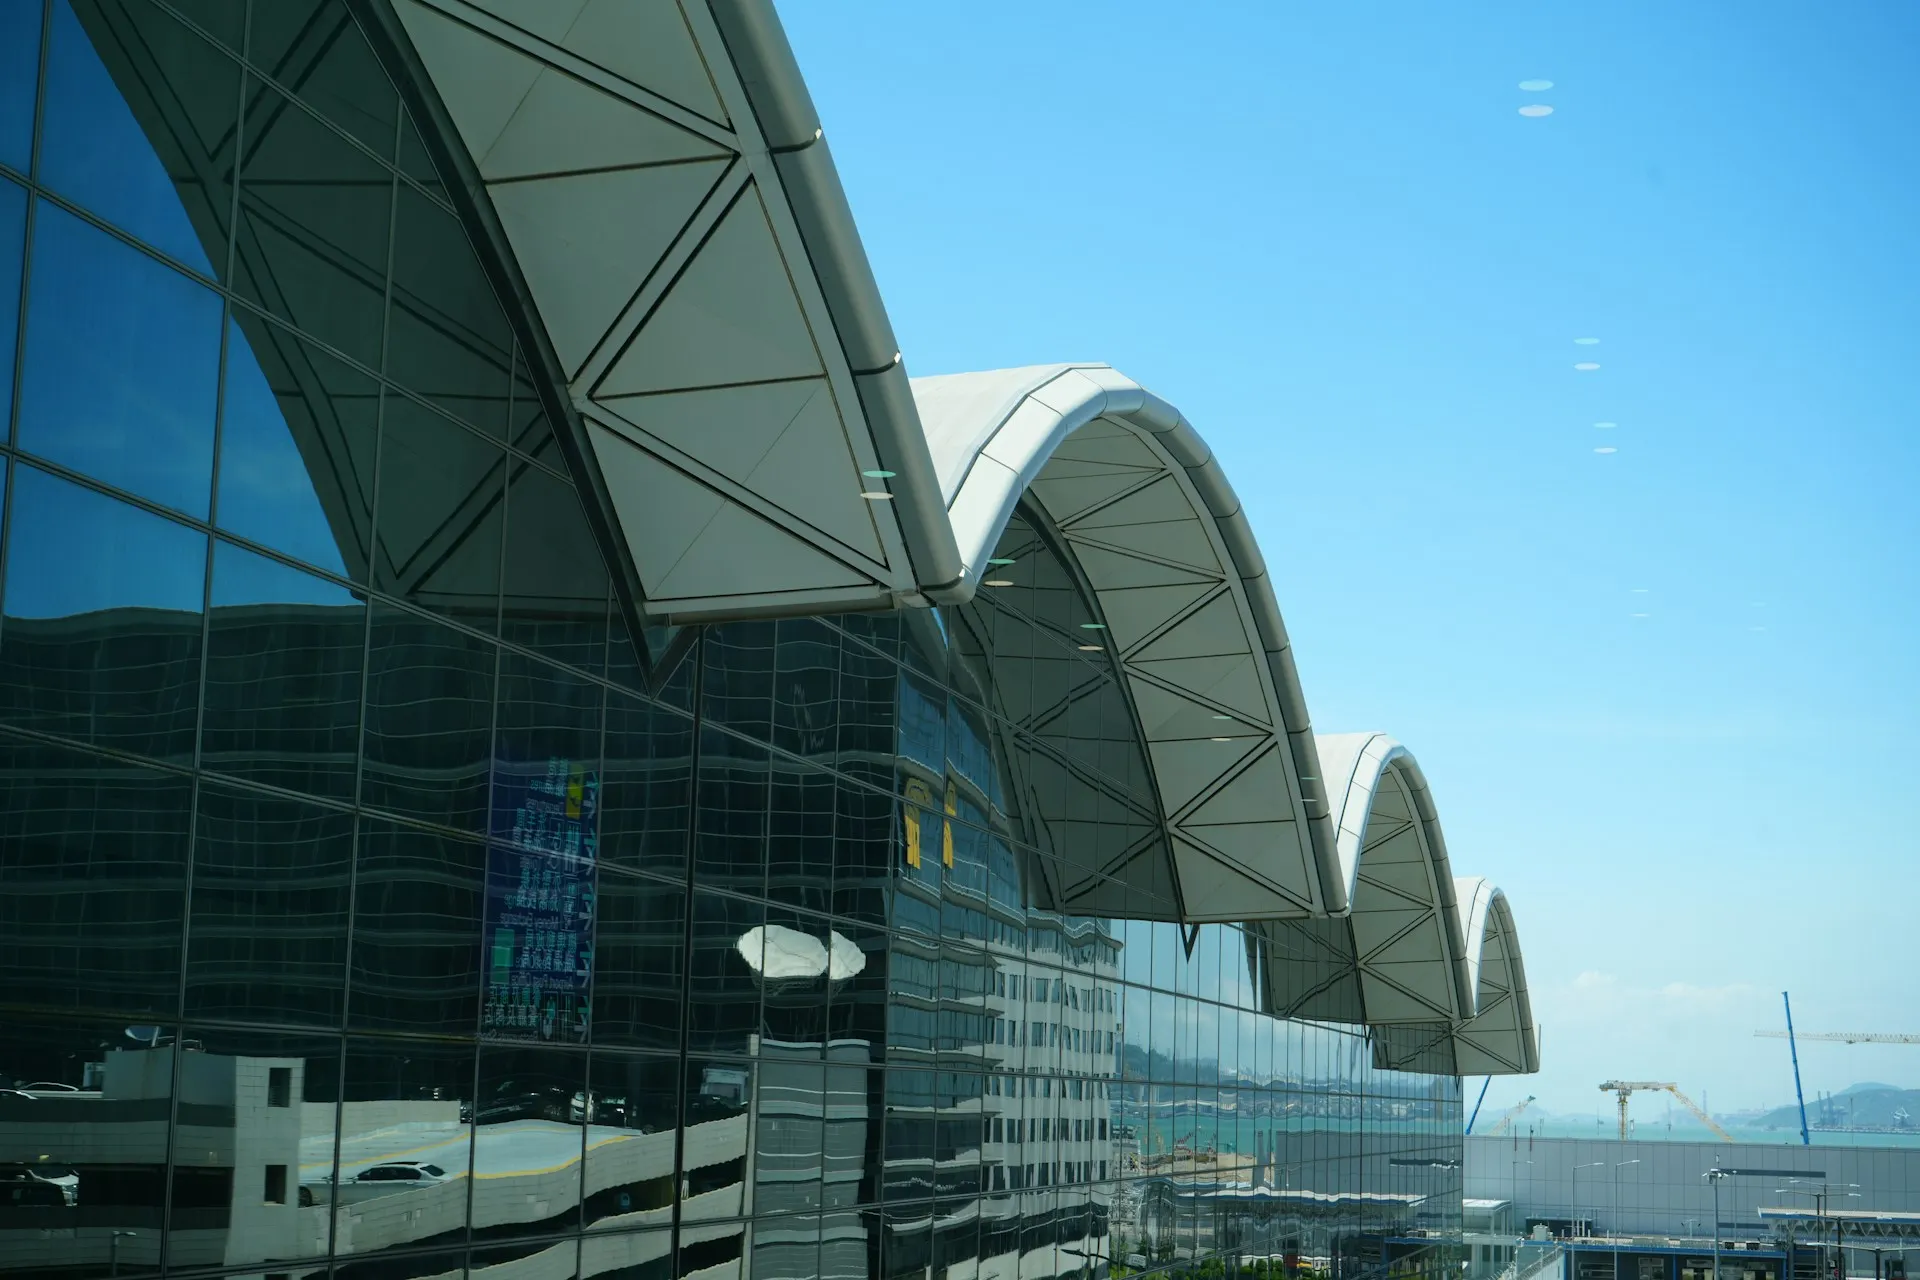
(1325, 232)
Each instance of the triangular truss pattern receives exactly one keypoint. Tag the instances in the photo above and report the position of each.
(1329, 849)
(1500, 1038)
(1393, 858)
(1416, 946)
(1185, 605)
(682, 239)
(651, 183)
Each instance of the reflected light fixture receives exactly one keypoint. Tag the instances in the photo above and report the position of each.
(1535, 111)
(1606, 448)
(774, 952)
(1580, 342)
(1091, 648)
(1606, 426)
(878, 475)
(1093, 626)
(1001, 560)
(997, 582)
(1586, 366)
(876, 495)
(1536, 86)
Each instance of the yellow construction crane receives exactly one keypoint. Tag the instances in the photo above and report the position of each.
(1624, 1089)
(1846, 1037)
(1506, 1121)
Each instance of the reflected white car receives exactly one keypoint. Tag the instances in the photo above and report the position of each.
(402, 1171)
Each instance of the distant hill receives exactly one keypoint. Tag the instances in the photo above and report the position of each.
(1860, 1106)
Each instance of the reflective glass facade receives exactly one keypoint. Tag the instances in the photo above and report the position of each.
(371, 900)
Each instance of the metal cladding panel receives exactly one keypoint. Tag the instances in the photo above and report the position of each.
(670, 206)
(1501, 1037)
(1399, 882)
(1140, 505)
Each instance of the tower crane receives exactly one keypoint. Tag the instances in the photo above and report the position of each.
(1624, 1089)
(1513, 1113)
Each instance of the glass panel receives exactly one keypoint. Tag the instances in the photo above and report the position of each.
(101, 640)
(726, 962)
(448, 339)
(529, 1117)
(314, 48)
(93, 857)
(416, 931)
(800, 836)
(555, 593)
(267, 940)
(558, 1258)
(737, 685)
(639, 962)
(98, 1125)
(630, 1141)
(298, 433)
(429, 717)
(314, 210)
(288, 1088)
(19, 77)
(283, 676)
(140, 126)
(414, 160)
(527, 427)
(13, 223)
(730, 839)
(122, 365)
(540, 898)
(864, 853)
(440, 514)
(406, 1146)
(628, 1255)
(806, 687)
(643, 820)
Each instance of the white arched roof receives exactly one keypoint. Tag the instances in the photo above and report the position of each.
(1500, 1038)
(695, 312)
(1406, 930)
(1143, 507)
(656, 189)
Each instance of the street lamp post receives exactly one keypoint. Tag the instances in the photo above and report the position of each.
(1613, 1228)
(1715, 1176)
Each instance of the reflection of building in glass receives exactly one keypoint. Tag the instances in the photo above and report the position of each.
(529, 749)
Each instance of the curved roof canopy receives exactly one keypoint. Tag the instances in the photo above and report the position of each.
(1406, 931)
(1189, 613)
(651, 182)
(1431, 952)
(1500, 1038)
(671, 214)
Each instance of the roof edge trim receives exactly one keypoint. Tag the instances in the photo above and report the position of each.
(790, 126)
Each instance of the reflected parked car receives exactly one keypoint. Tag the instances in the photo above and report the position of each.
(402, 1171)
(64, 1182)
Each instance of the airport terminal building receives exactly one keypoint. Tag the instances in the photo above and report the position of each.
(529, 747)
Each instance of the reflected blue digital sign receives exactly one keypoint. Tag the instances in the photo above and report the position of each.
(540, 888)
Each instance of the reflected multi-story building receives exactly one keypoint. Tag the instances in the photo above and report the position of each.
(529, 749)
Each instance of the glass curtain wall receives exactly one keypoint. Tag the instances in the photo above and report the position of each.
(366, 904)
